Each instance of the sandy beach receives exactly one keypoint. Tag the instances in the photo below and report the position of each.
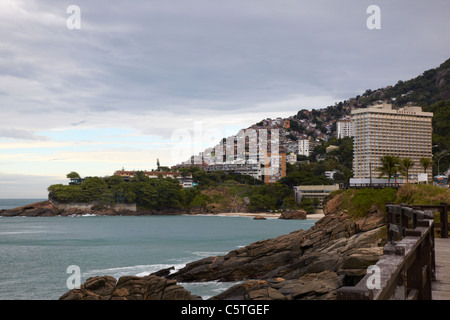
(267, 215)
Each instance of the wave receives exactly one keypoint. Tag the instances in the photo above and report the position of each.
(84, 215)
(205, 254)
(205, 289)
(138, 270)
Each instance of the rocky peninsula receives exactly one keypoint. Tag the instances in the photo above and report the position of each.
(309, 264)
(49, 209)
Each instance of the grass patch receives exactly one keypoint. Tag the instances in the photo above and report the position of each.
(422, 194)
(358, 202)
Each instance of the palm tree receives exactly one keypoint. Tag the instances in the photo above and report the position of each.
(389, 166)
(405, 165)
(425, 163)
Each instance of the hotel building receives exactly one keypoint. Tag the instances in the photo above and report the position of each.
(380, 130)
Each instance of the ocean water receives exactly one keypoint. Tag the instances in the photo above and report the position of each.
(35, 253)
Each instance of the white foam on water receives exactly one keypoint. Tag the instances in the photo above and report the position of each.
(206, 254)
(83, 215)
(138, 270)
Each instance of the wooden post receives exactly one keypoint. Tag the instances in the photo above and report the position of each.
(444, 220)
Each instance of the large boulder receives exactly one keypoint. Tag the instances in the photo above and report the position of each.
(293, 215)
(318, 286)
(150, 287)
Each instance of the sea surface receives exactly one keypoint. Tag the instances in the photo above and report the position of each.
(35, 253)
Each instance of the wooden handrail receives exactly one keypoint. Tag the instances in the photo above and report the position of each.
(407, 267)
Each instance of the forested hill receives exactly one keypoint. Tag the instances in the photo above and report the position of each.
(424, 90)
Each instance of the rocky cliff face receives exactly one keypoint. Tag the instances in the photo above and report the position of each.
(38, 209)
(150, 287)
(310, 264)
(47, 209)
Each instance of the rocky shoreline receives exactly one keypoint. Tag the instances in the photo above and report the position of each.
(309, 264)
(48, 209)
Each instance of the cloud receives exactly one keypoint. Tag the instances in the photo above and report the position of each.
(149, 68)
(20, 134)
(15, 186)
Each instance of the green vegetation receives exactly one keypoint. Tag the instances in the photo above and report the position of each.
(405, 165)
(441, 133)
(358, 202)
(389, 166)
(215, 192)
(147, 193)
(422, 194)
(310, 172)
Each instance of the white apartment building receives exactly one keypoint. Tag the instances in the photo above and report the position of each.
(381, 130)
(344, 128)
(303, 147)
(291, 158)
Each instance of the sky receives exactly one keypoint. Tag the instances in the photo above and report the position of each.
(114, 84)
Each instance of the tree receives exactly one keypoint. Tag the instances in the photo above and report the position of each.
(405, 165)
(389, 166)
(96, 189)
(425, 163)
(73, 175)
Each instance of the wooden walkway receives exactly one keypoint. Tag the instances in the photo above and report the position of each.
(441, 287)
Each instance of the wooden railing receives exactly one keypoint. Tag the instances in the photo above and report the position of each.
(347, 185)
(407, 267)
(442, 227)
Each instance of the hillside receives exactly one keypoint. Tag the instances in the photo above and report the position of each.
(430, 90)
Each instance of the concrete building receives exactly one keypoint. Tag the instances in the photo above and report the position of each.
(185, 182)
(312, 191)
(249, 153)
(344, 128)
(291, 158)
(274, 167)
(251, 169)
(128, 174)
(380, 130)
(303, 147)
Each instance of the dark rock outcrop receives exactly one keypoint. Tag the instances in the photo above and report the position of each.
(48, 209)
(317, 286)
(293, 215)
(129, 288)
(334, 252)
(310, 264)
(37, 209)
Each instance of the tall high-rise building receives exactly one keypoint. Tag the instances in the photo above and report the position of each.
(380, 130)
(344, 128)
(251, 152)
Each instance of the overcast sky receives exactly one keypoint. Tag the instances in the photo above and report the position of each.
(115, 91)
